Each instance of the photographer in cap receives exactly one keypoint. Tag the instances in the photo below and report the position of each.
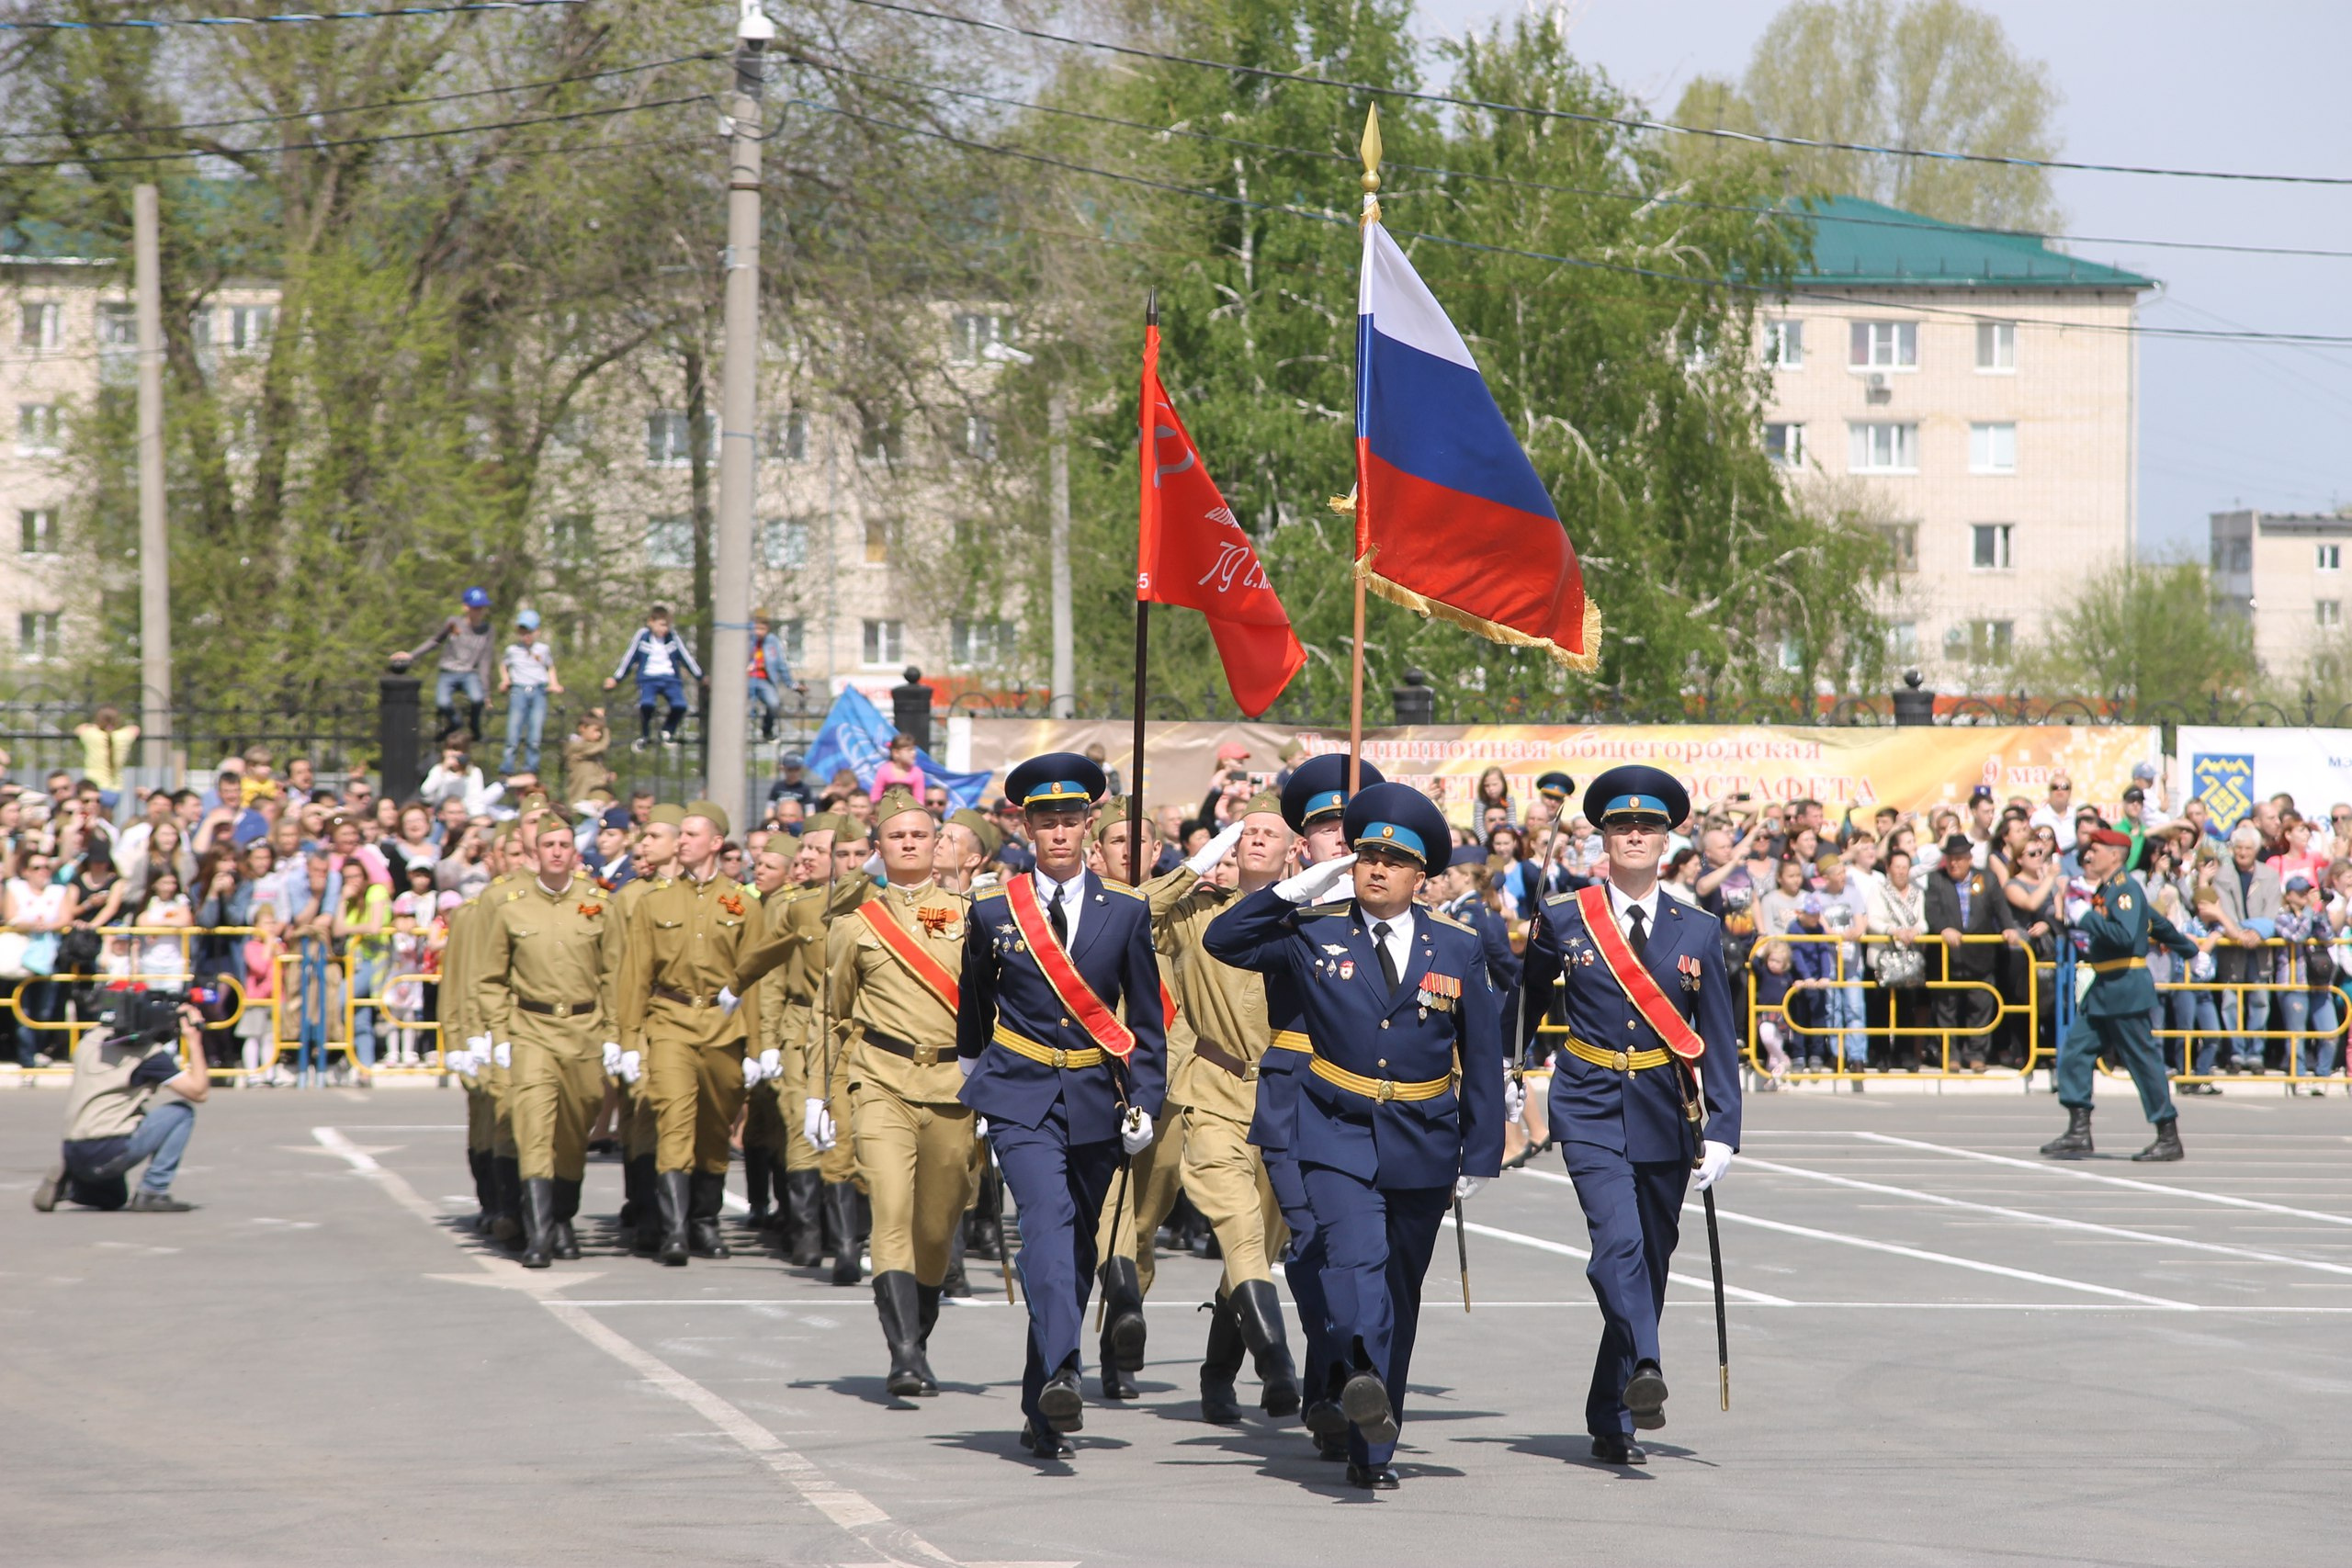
(130, 1101)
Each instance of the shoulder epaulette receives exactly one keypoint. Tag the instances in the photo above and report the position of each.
(1121, 888)
(513, 894)
(1554, 900)
(1308, 911)
(1693, 912)
(1441, 918)
(984, 894)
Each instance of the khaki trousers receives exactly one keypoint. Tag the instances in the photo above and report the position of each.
(498, 1083)
(1226, 1179)
(914, 1161)
(558, 1087)
(1127, 1224)
(697, 1091)
(482, 1118)
(637, 1122)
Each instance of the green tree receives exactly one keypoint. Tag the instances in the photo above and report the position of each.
(1927, 74)
(2145, 633)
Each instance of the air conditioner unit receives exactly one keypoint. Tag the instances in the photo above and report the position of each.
(1879, 392)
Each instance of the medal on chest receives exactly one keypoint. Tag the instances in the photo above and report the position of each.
(1687, 966)
(1439, 991)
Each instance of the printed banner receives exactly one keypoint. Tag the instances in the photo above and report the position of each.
(2232, 768)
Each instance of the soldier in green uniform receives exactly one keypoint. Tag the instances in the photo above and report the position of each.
(541, 988)
(2113, 1015)
(654, 855)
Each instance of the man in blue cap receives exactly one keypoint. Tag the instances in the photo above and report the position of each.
(469, 648)
(1645, 1084)
(1385, 1136)
(1063, 1047)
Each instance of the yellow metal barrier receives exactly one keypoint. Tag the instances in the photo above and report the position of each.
(1894, 1029)
(2293, 1077)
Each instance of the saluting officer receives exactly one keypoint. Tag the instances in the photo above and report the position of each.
(1400, 1110)
(542, 986)
(1650, 1027)
(1065, 1083)
(894, 961)
(2113, 1015)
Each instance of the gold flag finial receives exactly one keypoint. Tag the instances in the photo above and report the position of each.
(1371, 150)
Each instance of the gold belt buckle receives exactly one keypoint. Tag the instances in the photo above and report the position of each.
(1061, 1057)
(1386, 1090)
(926, 1055)
(561, 1009)
(1622, 1063)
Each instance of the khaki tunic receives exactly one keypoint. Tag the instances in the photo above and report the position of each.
(548, 948)
(788, 1012)
(638, 1125)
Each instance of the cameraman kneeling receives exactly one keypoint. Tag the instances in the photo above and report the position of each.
(130, 1101)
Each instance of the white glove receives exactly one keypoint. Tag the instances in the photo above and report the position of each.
(1134, 1134)
(1514, 1100)
(1215, 849)
(1309, 886)
(728, 1001)
(459, 1062)
(979, 1126)
(479, 1044)
(612, 1059)
(752, 1071)
(503, 1054)
(630, 1067)
(968, 1063)
(771, 1064)
(1715, 1158)
(817, 1125)
(1466, 1188)
(873, 866)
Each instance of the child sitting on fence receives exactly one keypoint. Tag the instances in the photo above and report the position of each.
(257, 973)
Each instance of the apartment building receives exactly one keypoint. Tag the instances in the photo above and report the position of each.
(1975, 393)
(2283, 571)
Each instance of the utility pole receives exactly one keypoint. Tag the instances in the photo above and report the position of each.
(155, 541)
(1065, 693)
(727, 719)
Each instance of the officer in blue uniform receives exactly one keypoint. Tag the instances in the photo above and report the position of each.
(1314, 803)
(1494, 938)
(2113, 1016)
(1555, 788)
(1622, 1104)
(1400, 1108)
(1060, 1106)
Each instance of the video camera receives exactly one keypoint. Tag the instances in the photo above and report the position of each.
(130, 1011)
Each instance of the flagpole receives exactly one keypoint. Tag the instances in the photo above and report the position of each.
(1143, 675)
(1370, 150)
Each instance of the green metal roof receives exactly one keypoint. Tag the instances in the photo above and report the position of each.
(1866, 243)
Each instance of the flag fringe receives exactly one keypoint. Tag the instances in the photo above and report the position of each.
(1494, 631)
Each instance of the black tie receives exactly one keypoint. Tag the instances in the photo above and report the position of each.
(1638, 939)
(1060, 921)
(1387, 959)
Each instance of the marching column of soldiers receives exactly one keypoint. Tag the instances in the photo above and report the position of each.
(1285, 1030)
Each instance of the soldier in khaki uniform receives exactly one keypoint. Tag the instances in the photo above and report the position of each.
(893, 959)
(510, 853)
(799, 917)
(763, 1127)
(1213, 1096)
(967, 840)
(847, 1212)
(542, 988)
(690, 942)
(654, 855)
(460, 1058)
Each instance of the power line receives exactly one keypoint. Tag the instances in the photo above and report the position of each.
(157, 23)
(362, 108)
(1628, 122)
(1582, 264)
(1924, 226)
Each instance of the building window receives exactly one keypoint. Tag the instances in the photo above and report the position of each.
(1993, 448)
(249, 327)
(117, 327)
(971, 335)
(200, 329)
(1989, 641)
(572, 539)
(783, 544)
(980, 438)
(1996, 346)
(1784, 444)
(795, 636)
(1885, 346)
(669, 441)
(1784, 345)
(1792, 655)
(877, 541)
(878, 441)
(40, 327)
(1902, 641)
(36, 531)
(790, 440)
(884, 642)
(572, 428)
(985, 642)
(1989, 545)
(37, 636)
(36, 430)
(1902, 544)
(669, 541)
(1884, 449)
(2331, 557)
(2329, 612)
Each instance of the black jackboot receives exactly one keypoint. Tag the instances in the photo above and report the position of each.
(779, 1220)
(1260, 1314)
(634, 1200)
(1221, 1364)
(804, 1192)
(707, 1193)
(755, 1188)
(895, 1303)
(485, 1189)
(2074, 1142)
(1123, 1327)
(983, 1226)
(672, 1194)
(507, 1228)
(841, 1210)
(2166, 1146)
(954, 1283)
(567, 1209)
(648, 1239)
(926, 1319)
(539, 1223)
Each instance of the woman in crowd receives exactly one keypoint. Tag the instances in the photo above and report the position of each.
(163, 953)
(1776, 912)
(460, 869)
(1681, 878)
(1515, 879)
(107, 744)
(361, 929)
(317, 997)
(1493, 789)
(2303, 857)
(411, 841)
(38, 908)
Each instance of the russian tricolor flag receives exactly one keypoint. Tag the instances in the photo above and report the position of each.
(1451, 519)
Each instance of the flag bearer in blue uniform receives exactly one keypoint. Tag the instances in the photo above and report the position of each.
(1645, 1087)
(1400, 1107)
(1063, 1049)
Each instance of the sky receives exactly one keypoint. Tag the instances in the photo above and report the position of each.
(2256, 86)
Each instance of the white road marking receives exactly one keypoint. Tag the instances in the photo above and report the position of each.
(849, 1510)
(1563, 1249)
(2055, 1220)
(2068, 1168)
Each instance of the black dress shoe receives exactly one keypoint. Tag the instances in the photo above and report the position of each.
(1373, 1477)
(1116, 1384)
(1615, 1450)
(1063, 1405)
(1049, 1446)
(1645, 1396)
(1365, 1402)
(1325, 1419)
(1331, 1445)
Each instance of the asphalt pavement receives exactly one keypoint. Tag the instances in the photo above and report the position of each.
(1943, 1350)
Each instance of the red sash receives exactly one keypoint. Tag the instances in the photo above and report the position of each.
(909, 952)
(1632, 977)
(1102, 1025)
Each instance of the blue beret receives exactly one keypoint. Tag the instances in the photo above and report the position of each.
(1318, 787)
(1634, 793)
(1398, 816)
(1058, 780)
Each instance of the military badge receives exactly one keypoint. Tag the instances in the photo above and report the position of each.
(592, 910)
(936, 922)
(1439, 991)
(1689, 968)
(1347, 968)
(731, 903)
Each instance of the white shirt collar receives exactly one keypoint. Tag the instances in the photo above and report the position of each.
(1400, 936)
(1618, 904)
(1073, 894)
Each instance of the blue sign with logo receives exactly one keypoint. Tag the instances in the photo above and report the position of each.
(2226, 781)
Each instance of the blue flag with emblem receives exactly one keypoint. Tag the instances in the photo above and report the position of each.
(2226, 781)
(855, 735)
